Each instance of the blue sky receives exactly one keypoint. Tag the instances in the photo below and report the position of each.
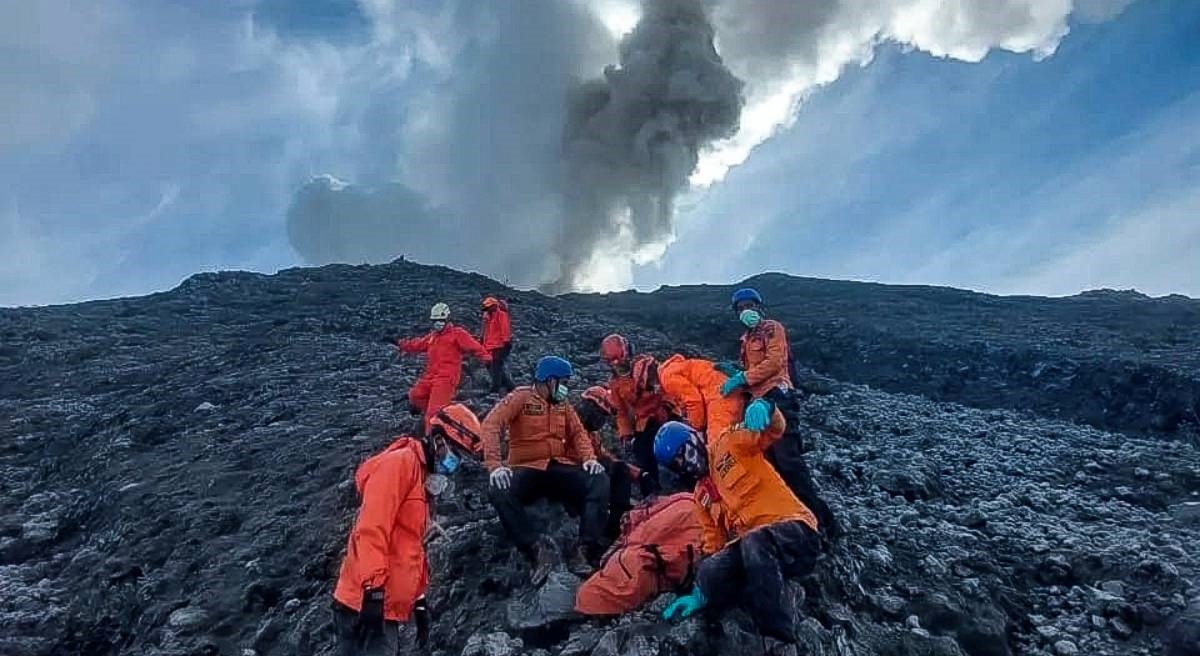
(1010, 175)
(144, 141)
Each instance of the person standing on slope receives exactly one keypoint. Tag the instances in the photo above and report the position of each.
(640, 409)
(754, 531)
(497, 340)
(545, 440)
(765, 375)
(384, 575)
(443, 347)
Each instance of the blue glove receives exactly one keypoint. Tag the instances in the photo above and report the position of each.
(758, 415)
(728, 367)
(735, 381)
(685, 606)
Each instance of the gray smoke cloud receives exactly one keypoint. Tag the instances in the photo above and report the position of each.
(331, 221)
(504, 156)
(632, 139)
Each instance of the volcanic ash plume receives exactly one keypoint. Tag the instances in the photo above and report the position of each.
(632, 139)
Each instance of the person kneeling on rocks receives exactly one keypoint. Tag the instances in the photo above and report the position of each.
(755, 532)
(545, 440)
(595, 408)
(385, 573)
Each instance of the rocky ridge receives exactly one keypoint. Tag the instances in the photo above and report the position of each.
(1118, 361)
(176, 475)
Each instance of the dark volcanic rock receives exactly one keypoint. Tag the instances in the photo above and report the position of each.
(175, 473)
(1117, 361)
(1183, 634)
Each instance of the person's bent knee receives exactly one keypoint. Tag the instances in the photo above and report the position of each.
(499, 497)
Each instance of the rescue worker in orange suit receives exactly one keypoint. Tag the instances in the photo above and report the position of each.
(385, 572)
(765, 376)
(444, 348)
(497, 340)
(594, 410)
(545, 439)
(754, 531)
(694, 387)
(640, 408)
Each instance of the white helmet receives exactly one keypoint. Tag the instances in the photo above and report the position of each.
(440, 312)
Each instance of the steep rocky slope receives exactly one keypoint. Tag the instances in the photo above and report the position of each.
(175, 479)
(1114, 360)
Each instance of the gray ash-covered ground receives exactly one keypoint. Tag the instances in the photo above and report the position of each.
(1118, 361)
(175, 478)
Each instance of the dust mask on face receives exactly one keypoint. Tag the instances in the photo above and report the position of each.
(439, 325)
(750, 318)
(560, 393)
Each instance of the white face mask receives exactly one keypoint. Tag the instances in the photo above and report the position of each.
(439, 325)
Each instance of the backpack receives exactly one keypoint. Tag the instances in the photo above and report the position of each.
(657, 552)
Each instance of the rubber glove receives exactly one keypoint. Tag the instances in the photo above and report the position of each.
(593, 467)
(685, 606)
(500, 478)
(735, 381)
(758, 415)
(728, 367)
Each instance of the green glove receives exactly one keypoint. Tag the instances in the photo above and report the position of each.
(758, 415)
(685, 606)
(728, 367)
(735, 381)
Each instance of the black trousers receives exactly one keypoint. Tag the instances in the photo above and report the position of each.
(752, 571)
(385, 644)
(560, 483)
(642, 449)
(501, 381)
(620, 493)
(787, 456)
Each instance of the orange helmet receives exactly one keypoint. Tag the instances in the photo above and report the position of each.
(490, 302)
(460, 426)
(614, 348)
(645, 373)
(601, 397)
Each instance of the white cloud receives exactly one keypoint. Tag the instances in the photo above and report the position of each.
(1155, 249)
(786, 50)
(58, 54)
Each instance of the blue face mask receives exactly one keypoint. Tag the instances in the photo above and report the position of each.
(449, 464)
(750, 318)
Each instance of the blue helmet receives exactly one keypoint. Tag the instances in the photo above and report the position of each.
(747, 294)
(552, 366)
(670, 439)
